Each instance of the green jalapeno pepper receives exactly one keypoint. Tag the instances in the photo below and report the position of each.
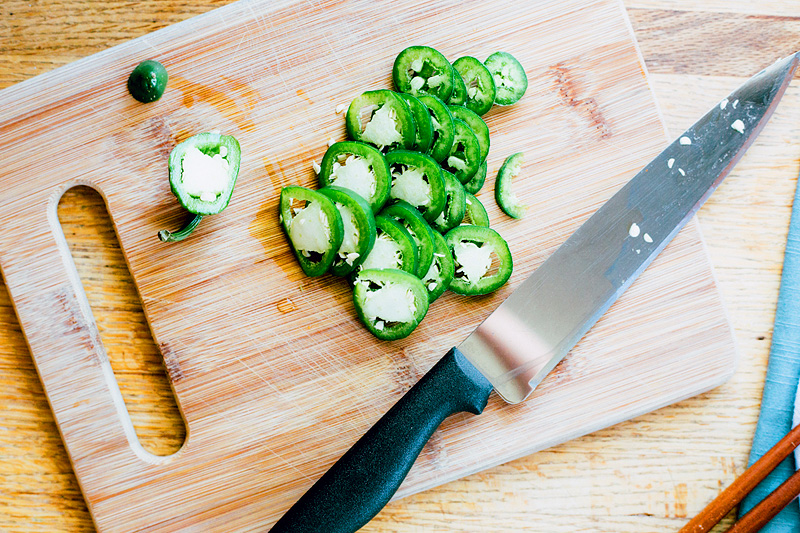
(476, 182)
(148, 81)
(418, 228)
(440, 274)
(423, 70)
(476, 124)
(202, 173)
(454, 205)
(359, 229)
(481, 257)
(481, 91)
(394, 248)
(443, 129)
(509, 77)
(390, 303)
(423, 136)
(417, 179)
(382, 119)
(474, 213)
(503, 194)
(359, 167)
(464, 158)
(314, 228)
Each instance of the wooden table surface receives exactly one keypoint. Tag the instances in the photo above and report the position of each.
(649, 474)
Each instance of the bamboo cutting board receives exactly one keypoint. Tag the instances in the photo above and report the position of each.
(273, 373)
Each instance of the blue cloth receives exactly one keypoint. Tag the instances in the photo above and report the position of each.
(780, 389)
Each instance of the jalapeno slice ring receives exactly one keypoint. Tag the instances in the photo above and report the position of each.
(482, 260)
(464, 158)
(358, 224)
(459, 95)
(382, 119)
(443, 128)
(390, 303)
(476, 182)
(417, 179)
(314, 227)
(418, 228)
(503, 194)
(475, 213)
(454, 206)
(509, 77)
(476, 124)
(480, 84)
(423, 136)
(359, 167)
(394, 248)
(440, 274)
(423, 70)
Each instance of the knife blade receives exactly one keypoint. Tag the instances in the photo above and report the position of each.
(539, 323)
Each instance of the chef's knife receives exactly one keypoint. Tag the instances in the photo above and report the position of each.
(534, 328)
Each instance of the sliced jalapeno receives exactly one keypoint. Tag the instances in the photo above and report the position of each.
(314, 227)
(509, 77)
(382, 119)
(476, 124)
(417, 179)
(423, 70)
(394, 248)
(443, 128)
(459, 96)
(480, 85)
(503, 194)
(481, 257)
(148, 81)
(474, 214)
(476, 182)
(423, 136)
(390, 303)
(359, 167)
(454, 205)
(464, 158)
(202, 173)
(440, 274)
(359, 229)
(418, 228)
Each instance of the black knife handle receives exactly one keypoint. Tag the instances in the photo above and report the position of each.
(366, 477)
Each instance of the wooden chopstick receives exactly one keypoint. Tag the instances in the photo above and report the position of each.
(741, 487)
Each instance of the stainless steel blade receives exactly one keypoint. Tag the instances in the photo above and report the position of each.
(535, 327)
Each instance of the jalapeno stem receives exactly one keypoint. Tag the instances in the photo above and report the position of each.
(167, 236)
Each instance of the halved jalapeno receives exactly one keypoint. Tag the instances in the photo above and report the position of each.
(359, 167)
(481, 257)
(314, 227)
(417, 179)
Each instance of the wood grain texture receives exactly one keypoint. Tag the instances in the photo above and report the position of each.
(647, 474)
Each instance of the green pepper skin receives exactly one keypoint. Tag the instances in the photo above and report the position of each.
(440, 274)
(148, 81)
(475, 214)
(509, 77)
(443, 128)
(338, 153)
(432, 173)
(312, 266)
(418, 228)
(210, 144)
(397, 233)
(378, 99)
(433, 64)
(423, 137)
(464, 158)
(475, 183)
(368, 280)
(476, 124)
(454, 207)
(459, 96)
(503, 194)
(364, 222)
(480, 236)
(481, 91)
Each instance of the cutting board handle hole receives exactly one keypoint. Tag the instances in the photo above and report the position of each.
(135, 358)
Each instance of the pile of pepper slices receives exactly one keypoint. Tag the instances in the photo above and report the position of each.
(396, 212)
